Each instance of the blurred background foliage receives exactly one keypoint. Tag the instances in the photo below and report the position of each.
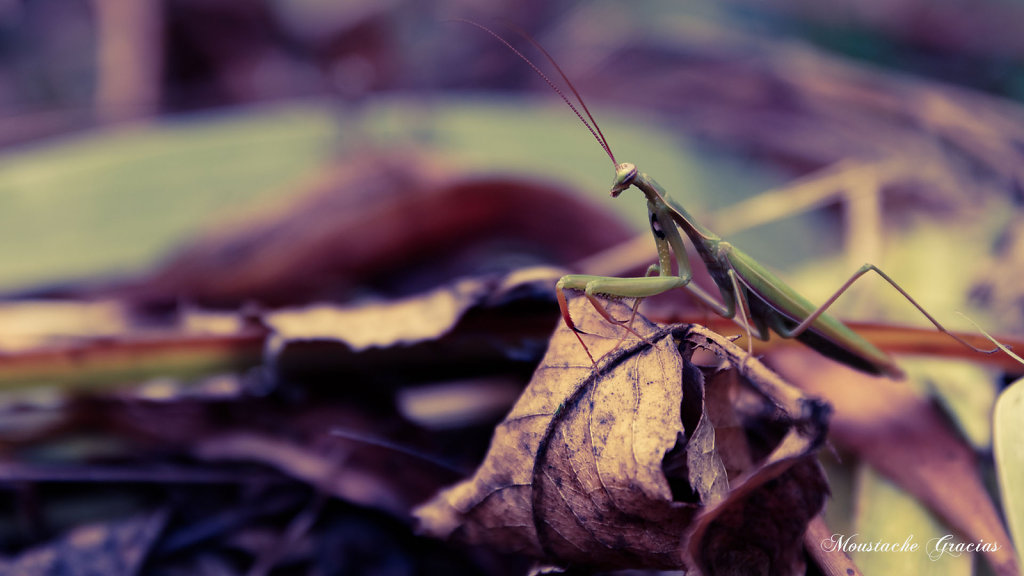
(166, 116)
(139, 138)
(218, 104)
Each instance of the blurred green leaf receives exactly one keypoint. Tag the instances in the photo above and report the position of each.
(1009, 454)
(110, 201)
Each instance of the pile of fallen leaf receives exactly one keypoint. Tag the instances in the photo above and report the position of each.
(386, 434)
(222, 437)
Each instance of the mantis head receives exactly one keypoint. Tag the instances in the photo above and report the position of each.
(624, 175)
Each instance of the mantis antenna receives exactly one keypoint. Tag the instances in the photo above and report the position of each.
(592, 126)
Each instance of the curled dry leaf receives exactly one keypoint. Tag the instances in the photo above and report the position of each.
(617, 465)
(380, 324)
(480, 319)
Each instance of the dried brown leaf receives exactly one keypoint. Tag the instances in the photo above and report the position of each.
(381, 324)
(759, 528)
(615, 465)
(446, 329)
(706, 470)
(574, 472)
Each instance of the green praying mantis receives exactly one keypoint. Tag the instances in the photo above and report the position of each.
(763, 302)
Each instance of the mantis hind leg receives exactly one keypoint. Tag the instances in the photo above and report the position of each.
(807, 322)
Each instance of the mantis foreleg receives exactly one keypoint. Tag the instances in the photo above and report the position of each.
(592, 286)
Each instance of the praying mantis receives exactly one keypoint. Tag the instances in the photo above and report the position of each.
(763, 302)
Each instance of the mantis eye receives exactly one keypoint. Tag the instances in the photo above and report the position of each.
(624, 175)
